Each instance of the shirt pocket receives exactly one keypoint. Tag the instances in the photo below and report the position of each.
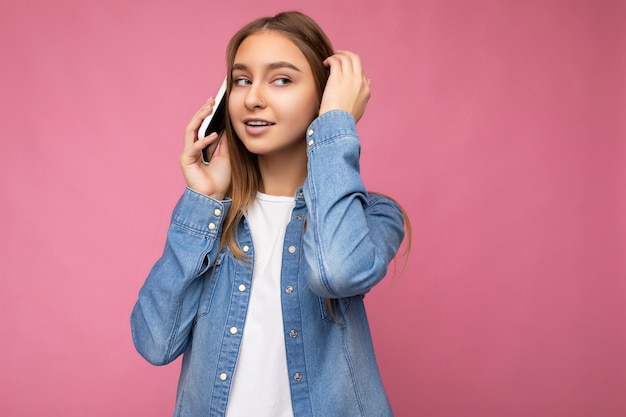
(333, 310)
(210, 277)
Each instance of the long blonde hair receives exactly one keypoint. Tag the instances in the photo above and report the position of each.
(307, 35)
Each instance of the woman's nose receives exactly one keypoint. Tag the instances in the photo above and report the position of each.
(254, 97)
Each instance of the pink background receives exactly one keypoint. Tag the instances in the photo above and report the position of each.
(500, 126)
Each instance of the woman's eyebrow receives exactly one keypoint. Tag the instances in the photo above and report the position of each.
(270, 66)
(283, 64)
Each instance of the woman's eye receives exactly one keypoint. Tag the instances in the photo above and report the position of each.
(242, 81)
(282, 81)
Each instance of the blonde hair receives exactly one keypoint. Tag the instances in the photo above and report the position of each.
(307, 35)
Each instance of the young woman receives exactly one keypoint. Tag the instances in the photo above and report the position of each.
(273, 244)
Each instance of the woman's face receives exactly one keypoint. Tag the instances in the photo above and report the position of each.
(273, 98)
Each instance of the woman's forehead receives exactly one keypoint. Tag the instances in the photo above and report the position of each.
(268, 48)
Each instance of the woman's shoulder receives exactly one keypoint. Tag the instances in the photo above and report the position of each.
(381, 200)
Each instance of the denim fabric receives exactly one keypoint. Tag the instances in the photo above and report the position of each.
(338, 245)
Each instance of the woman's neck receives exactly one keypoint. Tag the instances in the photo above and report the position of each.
(282, 176)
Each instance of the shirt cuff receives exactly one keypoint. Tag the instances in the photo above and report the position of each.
(200, 213)
(329, 127)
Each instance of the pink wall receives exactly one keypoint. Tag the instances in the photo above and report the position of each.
(500, 126)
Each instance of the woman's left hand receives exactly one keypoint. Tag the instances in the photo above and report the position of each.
(347, 88)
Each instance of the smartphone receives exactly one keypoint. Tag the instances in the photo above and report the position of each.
(214, 122)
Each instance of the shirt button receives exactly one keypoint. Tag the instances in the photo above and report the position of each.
(242, 288)
(217, 212)
(310, 132)
(297, 376)
(289, 289)
(299, 217)
(246, 248)
(292, 249)
(311, 142)
(211, 226)
(293, 333)
(223, 376)
(233, 330)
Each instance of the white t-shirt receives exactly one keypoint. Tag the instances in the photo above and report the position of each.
(260, 386)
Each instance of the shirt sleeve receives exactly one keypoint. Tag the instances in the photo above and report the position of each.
(350, 237)
(163, 315)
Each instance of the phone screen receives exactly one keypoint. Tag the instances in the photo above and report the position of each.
(215, 122)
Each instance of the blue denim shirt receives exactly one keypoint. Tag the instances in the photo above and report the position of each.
(338, 245)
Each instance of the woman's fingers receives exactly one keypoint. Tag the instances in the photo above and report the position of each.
(347, 88)
(347, 63)
(191, 130)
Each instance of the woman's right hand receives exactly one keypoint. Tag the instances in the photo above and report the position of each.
(213, 179)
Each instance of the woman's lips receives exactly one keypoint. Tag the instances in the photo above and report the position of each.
(255, 127)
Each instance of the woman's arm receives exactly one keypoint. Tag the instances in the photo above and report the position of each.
(163, 316)
(168, 301)
(350, 237)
